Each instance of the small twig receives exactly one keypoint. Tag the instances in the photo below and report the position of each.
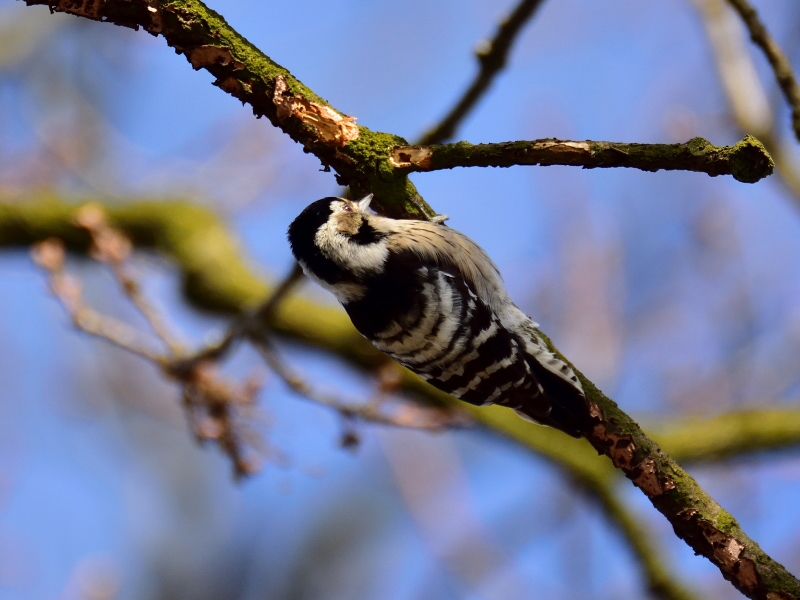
(109, 246)
(49, 254)
(264, 313)
(242, 326)
(780, 63)
(215, 399)
(492, 56)
(412, 416)
(210, 401)
(747, 161)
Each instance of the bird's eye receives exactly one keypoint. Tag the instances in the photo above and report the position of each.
(347, 208)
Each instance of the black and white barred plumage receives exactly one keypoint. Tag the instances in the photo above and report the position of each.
(431, 299)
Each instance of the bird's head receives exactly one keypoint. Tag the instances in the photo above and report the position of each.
(338, 231)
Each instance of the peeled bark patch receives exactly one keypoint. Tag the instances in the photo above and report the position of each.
(231, 85)
(208, 56)
(650, 482)
(408, 156)
(728, 553)
(331, 127)
(81, 8)
(619, 448)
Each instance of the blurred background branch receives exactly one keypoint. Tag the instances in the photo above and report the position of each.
(777, 58)
(734, 433)
(492, 57)
(749, 101)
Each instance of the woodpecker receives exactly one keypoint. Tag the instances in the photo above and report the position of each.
(431, 299)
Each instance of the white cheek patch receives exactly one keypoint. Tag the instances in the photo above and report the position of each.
(341, 249)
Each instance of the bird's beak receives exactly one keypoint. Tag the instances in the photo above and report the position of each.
(363, 204)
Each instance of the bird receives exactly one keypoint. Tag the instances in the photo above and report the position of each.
(430, 298)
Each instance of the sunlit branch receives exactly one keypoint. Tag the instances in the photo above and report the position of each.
(747, 161)
(360, 157)
(578, 460)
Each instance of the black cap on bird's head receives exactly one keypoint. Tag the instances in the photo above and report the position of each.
(327, 218)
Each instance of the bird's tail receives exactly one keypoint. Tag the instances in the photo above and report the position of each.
(569, 408)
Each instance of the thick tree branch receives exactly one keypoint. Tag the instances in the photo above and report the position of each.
(581, 463)
(696, 518)
(780, 63)
(360, 157)
(747, 161)
(492, 56)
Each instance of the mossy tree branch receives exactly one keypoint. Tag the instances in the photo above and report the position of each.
(358, 155)
(748, 161)
(361, 159)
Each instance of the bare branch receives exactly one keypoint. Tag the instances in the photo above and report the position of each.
(212, 406)
(492, 56)
(747, 161)
(246, 325)
(211, 403)
(49, 254)
(780, 63)
(409, 415)
(264, 313)
(111, 247)
(745, 92)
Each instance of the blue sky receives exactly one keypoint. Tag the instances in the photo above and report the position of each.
(676, 292)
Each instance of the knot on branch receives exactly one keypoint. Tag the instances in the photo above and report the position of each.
(750, 161)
